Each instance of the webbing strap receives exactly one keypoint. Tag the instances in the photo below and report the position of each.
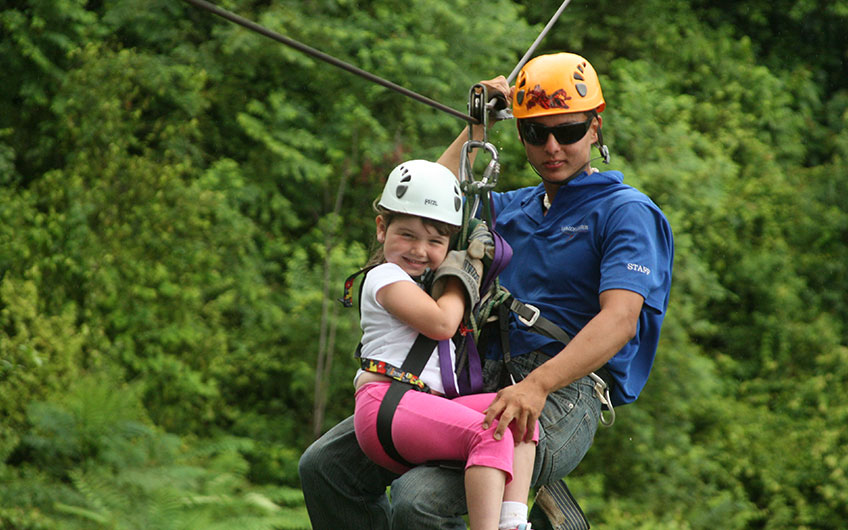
(470, 376)
(502, 257)
(414, 363)
(531, 317)
(446, 369)
(393, 372)
(470, 372)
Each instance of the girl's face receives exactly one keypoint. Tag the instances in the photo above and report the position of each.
(411, 244)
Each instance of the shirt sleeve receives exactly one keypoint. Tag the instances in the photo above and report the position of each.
(381, 276)
(637, 253)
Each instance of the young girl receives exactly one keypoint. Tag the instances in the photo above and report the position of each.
(419, 210)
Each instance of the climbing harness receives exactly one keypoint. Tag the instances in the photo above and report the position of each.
(398, 374)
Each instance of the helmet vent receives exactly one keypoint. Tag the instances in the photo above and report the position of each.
(457, 203)
(578, 76)
(400, 191)
(581, 89)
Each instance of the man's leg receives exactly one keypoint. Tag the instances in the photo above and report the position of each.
(567, 424)
(429, 497)
(567, 428)
(342, 487)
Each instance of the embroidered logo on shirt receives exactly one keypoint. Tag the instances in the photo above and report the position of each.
(572, 230)
(639, 268)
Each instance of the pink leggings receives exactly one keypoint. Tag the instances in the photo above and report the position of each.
(427, 427)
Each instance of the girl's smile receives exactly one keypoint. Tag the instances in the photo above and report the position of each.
(411, 244)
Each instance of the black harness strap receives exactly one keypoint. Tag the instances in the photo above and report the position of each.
(414, 363)
(529, 316)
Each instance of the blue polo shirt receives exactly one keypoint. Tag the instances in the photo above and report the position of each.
(599, 234)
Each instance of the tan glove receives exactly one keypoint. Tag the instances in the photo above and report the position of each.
(481, 234)
(466, 266)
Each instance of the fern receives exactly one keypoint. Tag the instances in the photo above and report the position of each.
(105, 466)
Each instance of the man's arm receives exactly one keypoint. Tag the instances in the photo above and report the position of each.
(590, 349)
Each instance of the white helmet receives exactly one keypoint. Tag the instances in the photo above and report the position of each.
(425, 189)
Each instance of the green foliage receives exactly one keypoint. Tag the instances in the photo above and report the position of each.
(92, 460)
(181, 200)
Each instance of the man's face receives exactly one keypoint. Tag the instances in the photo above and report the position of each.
(554, 161)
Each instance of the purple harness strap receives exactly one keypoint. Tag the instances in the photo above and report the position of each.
(470, 377)
(446, 368)
(503, 254)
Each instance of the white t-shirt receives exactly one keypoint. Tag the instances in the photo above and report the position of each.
(386, 338)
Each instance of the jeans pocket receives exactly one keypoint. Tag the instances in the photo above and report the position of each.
(568, 424)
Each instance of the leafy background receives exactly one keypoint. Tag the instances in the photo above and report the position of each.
(181, 199)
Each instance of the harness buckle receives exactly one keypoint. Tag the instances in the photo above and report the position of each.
(529, 322)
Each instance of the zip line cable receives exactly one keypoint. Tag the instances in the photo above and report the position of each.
(536, 42)
(253, 26)
(232, 17)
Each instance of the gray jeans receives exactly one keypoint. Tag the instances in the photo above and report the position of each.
(344, 489)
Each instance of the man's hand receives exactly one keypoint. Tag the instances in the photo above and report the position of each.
(523, 403)
(498, 85)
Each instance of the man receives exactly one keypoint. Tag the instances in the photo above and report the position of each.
(591, 253)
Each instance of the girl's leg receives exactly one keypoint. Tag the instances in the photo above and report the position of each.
(427, 428)
(518, 490)
(431, 428)
(514, 509)
(484, 488)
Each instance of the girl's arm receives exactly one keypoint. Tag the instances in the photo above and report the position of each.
(437, 319)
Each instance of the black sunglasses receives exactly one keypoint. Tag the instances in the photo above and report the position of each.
(566, 133)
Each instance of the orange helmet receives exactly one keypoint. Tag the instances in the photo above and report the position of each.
(558, 83)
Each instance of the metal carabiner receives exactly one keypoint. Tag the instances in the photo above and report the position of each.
(602, 390)
(489, 179)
